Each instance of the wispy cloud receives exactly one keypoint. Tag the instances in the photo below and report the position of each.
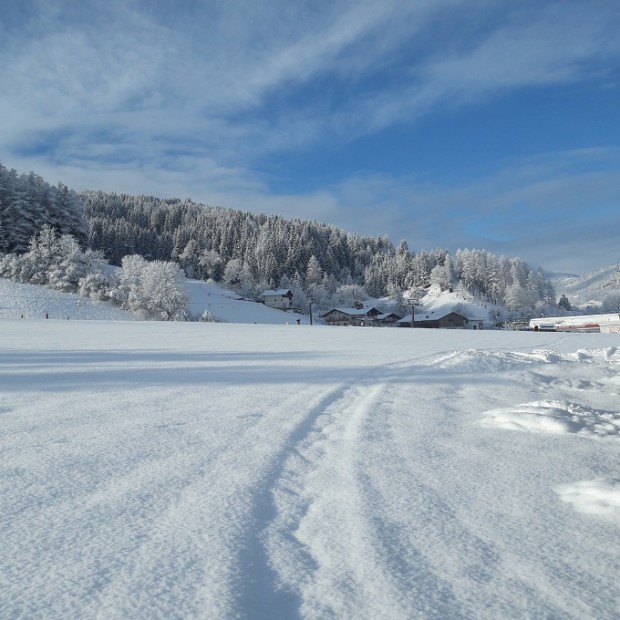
(184, 98)
(114, 66)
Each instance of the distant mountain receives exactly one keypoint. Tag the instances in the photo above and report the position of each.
(597, 289)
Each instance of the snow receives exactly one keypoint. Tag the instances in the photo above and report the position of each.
(556, 417)
(590, 289)
(211, 470)
(595, 497)
(437, 303)
(229, 307)
(34, 302)
(18, 299)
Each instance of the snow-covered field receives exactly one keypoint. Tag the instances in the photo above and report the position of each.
(200, 470)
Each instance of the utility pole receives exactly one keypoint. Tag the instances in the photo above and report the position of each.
(310, 308)
(412, 303)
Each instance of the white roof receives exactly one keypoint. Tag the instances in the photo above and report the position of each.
(352, 311)
(380, 317)
(435, 315)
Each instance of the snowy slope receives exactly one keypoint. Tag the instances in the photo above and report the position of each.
(229, 307)
(34, 302)
(437, 303)
(203, 470)
(225, 306)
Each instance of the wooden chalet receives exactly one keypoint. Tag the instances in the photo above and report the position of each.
(350, 316)
(450, 320)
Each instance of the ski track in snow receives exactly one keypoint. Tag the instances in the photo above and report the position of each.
(333, 523)
(334, 538)
(308, 474)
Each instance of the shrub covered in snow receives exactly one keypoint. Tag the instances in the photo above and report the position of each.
(152, 289)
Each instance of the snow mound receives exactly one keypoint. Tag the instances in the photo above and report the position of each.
(476, 360)
(593, 497)
(479, 360)
(555, 417)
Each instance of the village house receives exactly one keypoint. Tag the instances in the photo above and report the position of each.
(442, 320)
(280, 298)
(351, 316)
(389, 320)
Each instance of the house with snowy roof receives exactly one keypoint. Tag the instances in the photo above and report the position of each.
(280, 298)
(441, 320)
(351, 316)
(387, 319)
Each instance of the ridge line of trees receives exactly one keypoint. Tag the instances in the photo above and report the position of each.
(27, 203)
(253, 252)
(245, 251)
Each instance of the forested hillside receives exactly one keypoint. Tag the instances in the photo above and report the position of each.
(245, 251)
(27, 203)
(253, 251)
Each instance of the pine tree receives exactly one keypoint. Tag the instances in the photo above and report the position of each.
(314, 273)
(564, 303)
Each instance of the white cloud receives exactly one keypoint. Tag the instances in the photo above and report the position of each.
(214, 73)
(176, 100)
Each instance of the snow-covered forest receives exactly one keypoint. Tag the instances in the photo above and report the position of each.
(152, 289)
(252, 252)
(244, 251)
(27, 203)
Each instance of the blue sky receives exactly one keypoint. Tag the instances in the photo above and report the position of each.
(455, 123)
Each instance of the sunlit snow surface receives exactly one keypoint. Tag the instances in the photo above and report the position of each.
(158, 470)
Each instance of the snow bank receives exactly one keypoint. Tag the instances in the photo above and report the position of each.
(593, 497)
(555, 417)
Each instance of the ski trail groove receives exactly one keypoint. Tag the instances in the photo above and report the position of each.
(202, 520)
(321, 534)
(259, 592)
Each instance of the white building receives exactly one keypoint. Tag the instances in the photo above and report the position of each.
(280, 298)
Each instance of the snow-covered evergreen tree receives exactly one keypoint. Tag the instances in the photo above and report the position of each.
(27, 203)
(314, 273)
(564, 303)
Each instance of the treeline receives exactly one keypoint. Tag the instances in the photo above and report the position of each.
(27, 203)
(252, 252)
